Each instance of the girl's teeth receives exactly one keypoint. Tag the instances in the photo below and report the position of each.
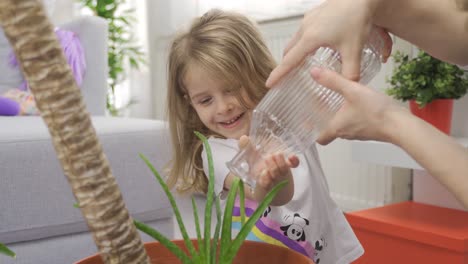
(232, 120)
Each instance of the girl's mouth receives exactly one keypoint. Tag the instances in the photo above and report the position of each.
(233, 122)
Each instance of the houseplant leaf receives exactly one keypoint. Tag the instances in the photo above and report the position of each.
(6, 251)
(425, 78)
(215, 241)
(163, 240)
(209, 196)
(197, 228)
(183, 231)
(242, 235)
(226, 236)
(242, 203)
(209, 246)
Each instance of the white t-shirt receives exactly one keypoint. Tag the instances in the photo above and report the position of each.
(311, 223)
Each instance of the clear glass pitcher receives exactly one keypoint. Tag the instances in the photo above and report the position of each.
(294, 112)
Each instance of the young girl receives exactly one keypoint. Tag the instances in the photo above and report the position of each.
(217, 74)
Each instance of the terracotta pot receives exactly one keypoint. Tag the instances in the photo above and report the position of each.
(437, 113)
(250, 252)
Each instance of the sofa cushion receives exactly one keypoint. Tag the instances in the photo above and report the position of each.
(69, 249)
(37, 201)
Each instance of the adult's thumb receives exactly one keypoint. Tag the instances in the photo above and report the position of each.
(326, 137)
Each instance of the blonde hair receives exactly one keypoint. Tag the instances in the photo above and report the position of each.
(229, 46)
(462, 4)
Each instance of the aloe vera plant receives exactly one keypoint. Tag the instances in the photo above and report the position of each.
(6, 251)
(221, 241)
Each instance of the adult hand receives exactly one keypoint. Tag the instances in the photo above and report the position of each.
(365, 113)
(342, 25)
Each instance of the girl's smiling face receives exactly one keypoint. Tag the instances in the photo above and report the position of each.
(216, 104)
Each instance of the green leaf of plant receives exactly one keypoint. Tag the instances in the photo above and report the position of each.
(236, 244)
(209, 195)
(197, 227)
(169, 195)
(425, 78)
(6, 251)
(226, 230)
(215, 241)
(242, 203)
(180, 254)
(121, 21)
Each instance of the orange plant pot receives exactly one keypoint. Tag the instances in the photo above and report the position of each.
(437, 113)
(250, 252)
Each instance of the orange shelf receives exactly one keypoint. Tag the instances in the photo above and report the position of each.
(411, 232)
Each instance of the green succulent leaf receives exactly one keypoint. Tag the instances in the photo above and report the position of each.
(222, 238)
(209, 195)
(242, 203)
(183, 231)
(242, 235)
(6, 251)
(171, 246)
(226, 235)
(215, 241)
(197, 228)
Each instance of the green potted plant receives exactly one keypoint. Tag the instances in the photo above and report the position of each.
(219, 247)
(430, 85)
(122, 52)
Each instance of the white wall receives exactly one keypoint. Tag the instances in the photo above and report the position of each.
(164, 18)
(460, 119)
(62, 10)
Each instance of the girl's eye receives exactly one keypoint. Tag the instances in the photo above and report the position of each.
(205, 101)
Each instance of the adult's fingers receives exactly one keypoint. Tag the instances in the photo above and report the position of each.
(351, 61)
(387, 43)
(326, 137)
(294, 56)
(292, 42)
(332, 80)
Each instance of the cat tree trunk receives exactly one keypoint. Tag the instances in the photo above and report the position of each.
(79, 151)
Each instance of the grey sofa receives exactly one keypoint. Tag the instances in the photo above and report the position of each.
(37, 217)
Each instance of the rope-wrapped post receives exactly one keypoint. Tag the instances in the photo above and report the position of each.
(58, 98)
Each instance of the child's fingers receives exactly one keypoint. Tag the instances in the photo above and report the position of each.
(281, 163)
(243, 141)
(265, 179)
(272, 167)
(293, 161)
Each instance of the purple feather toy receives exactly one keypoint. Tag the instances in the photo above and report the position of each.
(73, 51)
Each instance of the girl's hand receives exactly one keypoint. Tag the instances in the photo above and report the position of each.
(271, 169)
(277, 168)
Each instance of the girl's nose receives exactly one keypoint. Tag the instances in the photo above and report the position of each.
(225, 106)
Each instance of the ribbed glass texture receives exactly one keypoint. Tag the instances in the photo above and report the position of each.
(293, 113)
